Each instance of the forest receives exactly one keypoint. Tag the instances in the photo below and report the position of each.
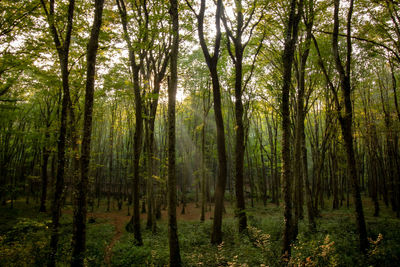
(199, 133)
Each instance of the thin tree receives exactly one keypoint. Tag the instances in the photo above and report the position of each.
(300, 152)
(346, 120)
(174, 254)
(206, 106)
(236, 48)
(80, 208)
(46, 113)
(63, 56)
(137, 142)
(212, 63)
(157, 63)
(291, 33)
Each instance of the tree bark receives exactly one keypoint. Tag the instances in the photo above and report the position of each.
(45, 155)
(212, 62)
(137, 139)
(63, 56)
(80, 210)
(111, 154)
(299, 128)
(346, 120)
(174, 254)
(239, 127)
(159, 69)
(203, 168)
(291, 33)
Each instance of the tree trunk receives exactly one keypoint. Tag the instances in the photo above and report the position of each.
(149, 171)
(264, 178)
(63, 55)
(137, 139)
(347, 120)
(251, 178)
(111, 153)
(212, 62)
(291, 32)
(239, 144)
(174, 254)
(159, 74)
(80, 210)
(300, 117)
(59, 185)
(203, 170)
(310, 207)
(335, 204)
(46, 154)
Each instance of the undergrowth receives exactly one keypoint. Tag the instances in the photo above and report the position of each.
(24, 238)
(333, 243)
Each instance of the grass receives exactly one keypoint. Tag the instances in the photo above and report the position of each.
(334, 243)
(24, 237)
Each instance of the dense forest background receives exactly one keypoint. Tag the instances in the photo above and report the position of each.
(216, 133)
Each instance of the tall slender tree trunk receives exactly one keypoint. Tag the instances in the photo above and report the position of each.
(203, 169)
(299, 129)
(264, 178)
(135, 220)
(309, 199)
(63, 55)
(216, 236)
(137, 138)
(335, 204)
(373, 179)
(212, 62)
(239, 142)
(45, 155)
(174, 254)
(251, 178)
(234, 43)
(111, 155)
(59, 185)
(347, 119)
(159, 74)
(149, 182)
(291, 33)
(80, 210)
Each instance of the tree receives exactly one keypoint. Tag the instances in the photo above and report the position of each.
(80, 209)
(236, 52)
(291, 34)
(212, 63)
(135, 68)
(63, 56)
(157, 63)
(174, 254)
(47, 107)
(346, 120)
(300, 152)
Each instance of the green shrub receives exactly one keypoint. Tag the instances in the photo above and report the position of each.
(26, 244)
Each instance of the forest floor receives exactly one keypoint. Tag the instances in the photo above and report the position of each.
(120, 218)
(119, 221)
(24, 237)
